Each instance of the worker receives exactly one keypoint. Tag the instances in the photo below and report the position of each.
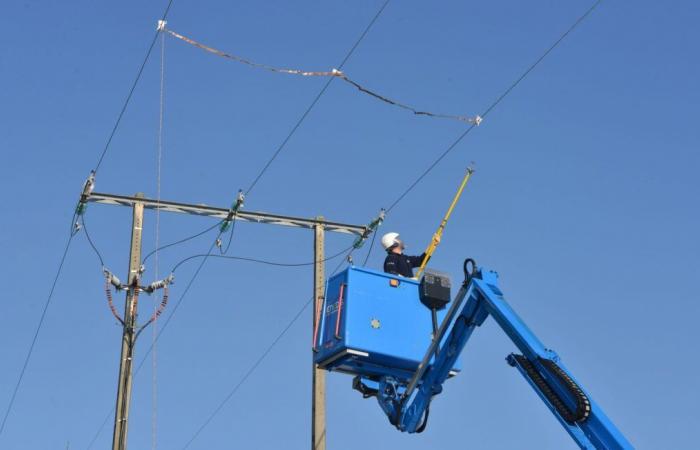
(396, 262)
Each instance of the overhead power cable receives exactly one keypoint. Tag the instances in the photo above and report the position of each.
(430, 168)
(337, 73)
(262, 261)
(252, 185)
(36, 333)
(92, 244)
(160, 331)
(258, 361)
(222, 250)
(132, 89)
(73, 232)
(494, 104)
(181, 241)
(316, 99)
(393, 205)
(371, 246)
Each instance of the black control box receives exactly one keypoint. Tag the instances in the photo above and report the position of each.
(434, 289)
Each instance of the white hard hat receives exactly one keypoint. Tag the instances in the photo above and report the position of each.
(389, 240)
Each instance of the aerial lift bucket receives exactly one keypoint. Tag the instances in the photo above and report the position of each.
(373, 324)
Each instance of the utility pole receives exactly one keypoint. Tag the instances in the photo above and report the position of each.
(318, 383)
(121, 415)
(138, 203)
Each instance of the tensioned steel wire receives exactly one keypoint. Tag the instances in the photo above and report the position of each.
(267, 351)
(255, 181)
(258, 361)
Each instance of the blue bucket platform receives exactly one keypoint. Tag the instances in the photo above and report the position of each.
(372, 324)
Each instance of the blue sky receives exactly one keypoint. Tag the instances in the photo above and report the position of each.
(584, 200)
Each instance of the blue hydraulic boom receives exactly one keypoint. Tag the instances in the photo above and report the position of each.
(404, 392)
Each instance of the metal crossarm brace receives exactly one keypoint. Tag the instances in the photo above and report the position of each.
(223, 213)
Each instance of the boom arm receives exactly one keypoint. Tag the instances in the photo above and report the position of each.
(407, 405)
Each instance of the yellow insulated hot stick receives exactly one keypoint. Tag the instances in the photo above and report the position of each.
(438, 234)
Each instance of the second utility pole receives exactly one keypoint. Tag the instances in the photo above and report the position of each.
(121, 415)
(318, 380)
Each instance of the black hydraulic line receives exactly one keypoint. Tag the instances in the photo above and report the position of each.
(583, 404)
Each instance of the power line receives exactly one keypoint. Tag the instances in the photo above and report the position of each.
(544, 55)
(206, 256)
(248, 373)
(74, 231)
(252, 185)
(222, 250)
(371, 246)
(99, 430)
(131, 91)
(394, 204)
(495, 103)
(258, 361)
(261, 261)
(92, 244)
(430, 168)
(162, 329)
(36, 333)
(316, 99)
(181, 241)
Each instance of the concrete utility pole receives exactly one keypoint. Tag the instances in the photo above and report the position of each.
(121, 415)
(139, 203)
(318, 394)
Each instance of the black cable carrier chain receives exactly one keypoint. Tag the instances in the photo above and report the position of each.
(583, 404)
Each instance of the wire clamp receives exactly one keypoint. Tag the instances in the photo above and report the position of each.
(337, 73)
(161, 25)
(477, 120)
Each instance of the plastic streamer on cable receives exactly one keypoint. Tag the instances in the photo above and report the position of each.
(476, 120)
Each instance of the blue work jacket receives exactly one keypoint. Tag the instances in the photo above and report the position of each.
(402, 264)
